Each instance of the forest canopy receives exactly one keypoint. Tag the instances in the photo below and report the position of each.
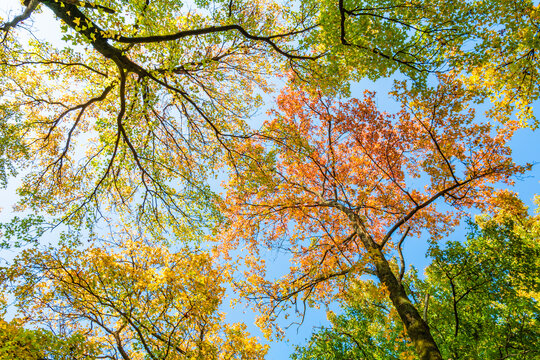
(118, 120)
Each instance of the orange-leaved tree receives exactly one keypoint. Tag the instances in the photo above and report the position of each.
(339, 185)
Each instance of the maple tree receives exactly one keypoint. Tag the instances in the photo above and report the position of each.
(127, 298)
(482, 301)
(334, 183)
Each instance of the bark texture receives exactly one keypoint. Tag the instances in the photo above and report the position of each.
(417, 329)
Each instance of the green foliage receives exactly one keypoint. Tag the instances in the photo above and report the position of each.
(369, 328)
(493, 44)
(21, 230)
(483, 301)
(11, 148)
(376, 38)
(486, 291)
(19, 343)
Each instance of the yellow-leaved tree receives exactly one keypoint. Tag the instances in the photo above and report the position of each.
(126, 298)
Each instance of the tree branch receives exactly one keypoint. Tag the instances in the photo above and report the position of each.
(401, 259)
(30, 7)
(426, 304)
(217, 29)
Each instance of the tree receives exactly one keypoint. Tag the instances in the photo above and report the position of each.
(503, 65)
(138, 103)
(369, 328)
(480, 298)
(131, 297)
(492, 44)
(334, 183)
(135, 103)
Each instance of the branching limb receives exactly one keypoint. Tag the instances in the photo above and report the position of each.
(401, 258)
(355, 342)
(30, 7)
(414, 65)
(223, 28)
(73, 17)
(426, 203)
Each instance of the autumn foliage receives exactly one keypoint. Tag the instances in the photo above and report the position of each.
(127, 112)
(330, 182)
(130, 298)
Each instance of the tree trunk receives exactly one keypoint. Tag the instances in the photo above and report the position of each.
(417, 328)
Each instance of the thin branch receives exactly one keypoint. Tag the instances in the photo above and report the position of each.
(426, 203)
(355, 342)
(401, 258)
(426, 305)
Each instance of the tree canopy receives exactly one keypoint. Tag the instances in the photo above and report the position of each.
(127, 113)
(130, 298)
(335, 183)
(158, 91)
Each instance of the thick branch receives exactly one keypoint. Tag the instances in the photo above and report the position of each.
(75, 19)
(217, 29)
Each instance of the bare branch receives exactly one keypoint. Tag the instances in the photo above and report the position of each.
(31, 6)
(218, 29)
(401, 259)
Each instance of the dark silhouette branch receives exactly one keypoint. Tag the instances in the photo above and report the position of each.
(401, 258)
(218, 29)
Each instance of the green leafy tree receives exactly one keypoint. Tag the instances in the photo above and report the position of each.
(493, 44)
(480, 298)
(368, 329)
